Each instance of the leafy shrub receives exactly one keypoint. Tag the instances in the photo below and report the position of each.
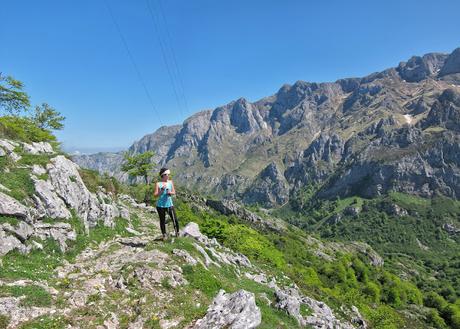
(372, 291)
(214, 228)
(251, 243)
(384, 317)
(93, 180)
(24, 129)
(433, 318)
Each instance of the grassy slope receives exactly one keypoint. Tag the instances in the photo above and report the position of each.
(415, 246)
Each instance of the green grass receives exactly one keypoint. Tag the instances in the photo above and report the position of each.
(34, 295)
(202, 279)
(47, 322)
(4, 321)
(10, 220)
(19, 182)
(36, 265)
(34, 159)
(40, 264)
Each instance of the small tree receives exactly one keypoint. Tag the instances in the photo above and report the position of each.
(46, 117)
(138, 165)
(13, 100)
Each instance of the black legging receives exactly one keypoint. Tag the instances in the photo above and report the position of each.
(172, 214)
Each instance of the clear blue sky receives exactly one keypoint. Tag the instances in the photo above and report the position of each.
(70, 54)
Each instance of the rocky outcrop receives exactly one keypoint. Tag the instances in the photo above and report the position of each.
(68, 185)
(220, 254)
(321, 316)
(230, 207)
(452, 63)
(58, 190)
(47, 202)
(445, 112)
(269, 189)
(419, 68)
(236, 311)
(12, 207)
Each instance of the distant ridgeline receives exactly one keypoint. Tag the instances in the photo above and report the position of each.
(391, 131)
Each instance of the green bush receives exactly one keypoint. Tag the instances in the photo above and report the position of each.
(254, 245)
(433, 318)
(24, 129)
(372, 291)
(215, 228)
(93, 180)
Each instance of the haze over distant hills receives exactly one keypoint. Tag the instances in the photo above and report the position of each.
(395, 130)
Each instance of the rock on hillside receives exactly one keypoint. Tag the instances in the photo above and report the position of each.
(58, 190)
(356, 135)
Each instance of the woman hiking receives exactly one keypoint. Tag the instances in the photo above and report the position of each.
(165, 189)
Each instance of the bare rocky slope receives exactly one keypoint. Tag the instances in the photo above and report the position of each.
(395, 130)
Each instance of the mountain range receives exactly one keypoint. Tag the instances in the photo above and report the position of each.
(395, 130)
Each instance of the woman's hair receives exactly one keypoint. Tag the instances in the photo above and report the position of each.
(163, 170)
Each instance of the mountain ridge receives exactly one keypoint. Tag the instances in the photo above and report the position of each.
(234, 143)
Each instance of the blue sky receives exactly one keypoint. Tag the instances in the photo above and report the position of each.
(71, 55)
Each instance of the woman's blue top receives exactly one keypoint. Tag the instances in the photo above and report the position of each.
(165, 200)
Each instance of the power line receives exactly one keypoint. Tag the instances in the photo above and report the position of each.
(174, 58)
(164, 55)
(133, 62)
(166, 48)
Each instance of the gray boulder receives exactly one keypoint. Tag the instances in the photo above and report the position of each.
(47, 202)
(12, 207)
(235, 311)
(9, 243)
(193, 230)
(38, 148)
(61, 232)
(22, 231)
(66, 180)
(321, 317)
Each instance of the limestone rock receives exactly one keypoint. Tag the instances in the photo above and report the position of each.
(61, 232)
(322, 317)
(452, 63)
(193, 230)
(38, 148)
(235, 311)
(22, 231)
(185, 255)
(12, 207)
(8, 145)
(9, 243)
(64, 177)
(47, 202)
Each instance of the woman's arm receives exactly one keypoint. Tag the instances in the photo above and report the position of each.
(173, 190)
(156, 190)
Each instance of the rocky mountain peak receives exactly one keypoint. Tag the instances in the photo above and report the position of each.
(452, 64)
(418, 68)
